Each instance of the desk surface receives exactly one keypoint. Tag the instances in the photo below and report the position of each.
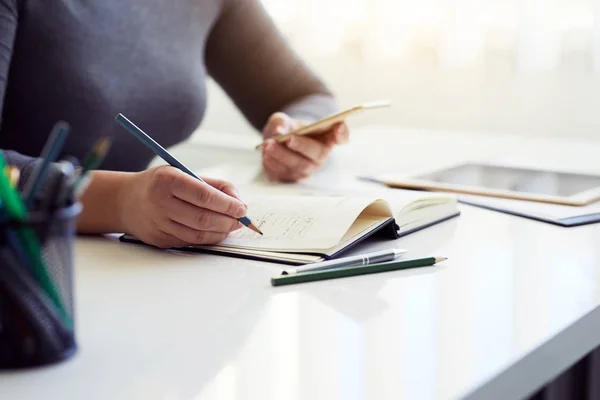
(514, 305)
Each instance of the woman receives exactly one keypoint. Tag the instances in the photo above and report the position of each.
(83, 62)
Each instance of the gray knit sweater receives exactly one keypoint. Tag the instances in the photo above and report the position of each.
(84, 61)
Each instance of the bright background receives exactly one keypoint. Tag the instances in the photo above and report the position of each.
(514, 66)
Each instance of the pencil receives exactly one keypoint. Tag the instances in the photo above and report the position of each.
(354, 271)
(165, 155)
(50, 153)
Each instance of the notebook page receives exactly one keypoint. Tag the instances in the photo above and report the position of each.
(399, 199)
(357, 230)
(297, 223)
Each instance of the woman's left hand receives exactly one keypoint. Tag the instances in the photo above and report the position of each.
(300, 156)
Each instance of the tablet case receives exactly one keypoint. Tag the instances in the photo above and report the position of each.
(563, 222)
(387, 230)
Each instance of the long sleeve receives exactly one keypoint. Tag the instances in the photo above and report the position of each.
(248, 57)
(8, 29)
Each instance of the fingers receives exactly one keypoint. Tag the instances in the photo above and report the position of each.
(200, 219)
(203, 195)
(225, 187)
(288, 160)
(342, 133)
(173, 209)
(277, 171)
(280, 124)
(192, 236)
(315, 150)
(339, 134)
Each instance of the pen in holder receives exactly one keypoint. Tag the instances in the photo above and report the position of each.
(36, 295)
(37, 233)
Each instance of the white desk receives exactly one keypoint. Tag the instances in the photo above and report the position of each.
(517, 303)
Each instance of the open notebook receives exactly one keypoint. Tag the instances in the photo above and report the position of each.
(301, 229)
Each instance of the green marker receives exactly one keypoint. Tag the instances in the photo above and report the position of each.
(16, 209)
(11, 199)
(354, 271)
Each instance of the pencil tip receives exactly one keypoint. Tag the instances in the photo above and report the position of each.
(440, 259)
(255, 229)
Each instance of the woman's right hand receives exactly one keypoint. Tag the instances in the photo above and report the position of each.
(165, 207)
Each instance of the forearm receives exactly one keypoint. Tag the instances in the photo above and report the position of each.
(102, 203)
(247, 55)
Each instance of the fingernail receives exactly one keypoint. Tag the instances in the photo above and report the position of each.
(241, 212)
(279, 130)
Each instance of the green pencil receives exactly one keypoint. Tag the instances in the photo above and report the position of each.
(354, 271)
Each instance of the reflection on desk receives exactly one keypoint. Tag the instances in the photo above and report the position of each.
(163, 325)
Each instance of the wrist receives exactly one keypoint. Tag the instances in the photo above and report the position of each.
(312, 107)
(124, 190)
(105, 203)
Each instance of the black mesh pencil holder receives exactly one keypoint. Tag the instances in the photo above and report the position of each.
(36, 298)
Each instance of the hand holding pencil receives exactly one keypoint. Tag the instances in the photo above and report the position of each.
(165, 207)
(171, 206)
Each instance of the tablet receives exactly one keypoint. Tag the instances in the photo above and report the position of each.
(504, 181)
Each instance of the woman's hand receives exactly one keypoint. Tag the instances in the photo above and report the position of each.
(165, 207)
(300, 156)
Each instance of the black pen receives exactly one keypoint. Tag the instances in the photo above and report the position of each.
(362, 259)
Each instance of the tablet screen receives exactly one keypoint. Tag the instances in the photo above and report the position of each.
(521, 180)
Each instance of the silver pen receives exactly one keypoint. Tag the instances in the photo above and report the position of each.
(361, 259)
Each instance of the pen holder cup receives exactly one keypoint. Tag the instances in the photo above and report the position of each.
(36, 297)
